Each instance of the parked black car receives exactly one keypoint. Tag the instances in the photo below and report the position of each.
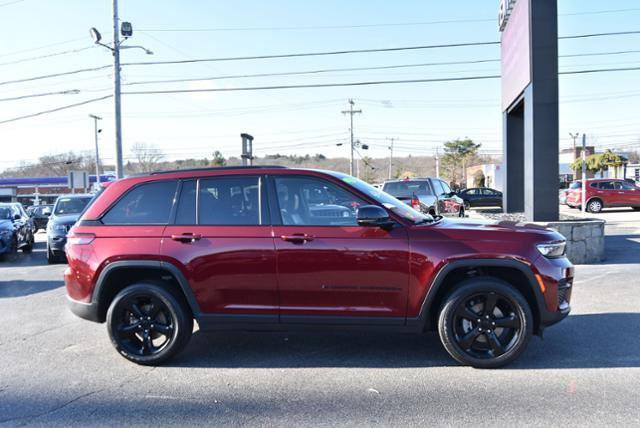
(40, 215)
(428, 195)
(66, 211)
(16, 230)
(481, 197)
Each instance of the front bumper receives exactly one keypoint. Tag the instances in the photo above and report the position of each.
(57, 243)
(87, 311)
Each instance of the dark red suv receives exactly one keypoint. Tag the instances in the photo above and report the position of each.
(268, 248)
(604, 193)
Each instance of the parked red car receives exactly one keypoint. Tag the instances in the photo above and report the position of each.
(268, 248)
(604, 193)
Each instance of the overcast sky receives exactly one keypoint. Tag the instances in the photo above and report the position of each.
(421, 115)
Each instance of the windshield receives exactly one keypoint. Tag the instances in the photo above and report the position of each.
(389, 202)
(71, 205)
(5, 213)
(408, 188)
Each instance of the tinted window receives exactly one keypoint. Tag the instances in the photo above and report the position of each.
(471, 192)
(148, 203)
(437, 186)
(445, 187)
(186, 213)
(315, 202)
(627, 186)
(406, 189)
(5, 213)
(230, 201)
(606, 185)
(71, 205)
(596, 185)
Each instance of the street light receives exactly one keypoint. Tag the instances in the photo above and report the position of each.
(126, 30)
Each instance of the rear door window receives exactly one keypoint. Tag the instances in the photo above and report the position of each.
(148, 203)
(230, 201)
(406, 189)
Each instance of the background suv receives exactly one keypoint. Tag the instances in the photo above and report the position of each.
(66, 211)
(428, 195)
(604, 193)
(16, 230)
(275, 248)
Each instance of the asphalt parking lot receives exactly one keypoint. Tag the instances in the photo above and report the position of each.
(56, 369)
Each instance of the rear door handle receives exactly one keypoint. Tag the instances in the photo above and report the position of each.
(297, 238)
(187, 237)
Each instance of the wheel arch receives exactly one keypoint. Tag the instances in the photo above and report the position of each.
(514, 272)
(118, 275)
(597, 198)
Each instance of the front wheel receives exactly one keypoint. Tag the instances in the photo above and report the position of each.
(148, 323)
(594, 206)
(485, 323)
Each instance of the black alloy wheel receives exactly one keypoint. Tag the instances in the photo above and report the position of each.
(148, 323)
(485, 323)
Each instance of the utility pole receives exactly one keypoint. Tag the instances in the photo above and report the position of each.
(247, 149)
(391, 155)
(351, 112)
(116, 91)
(95, 132)
(574, 136)
(584, 171)
(126, 30)
(437, 163)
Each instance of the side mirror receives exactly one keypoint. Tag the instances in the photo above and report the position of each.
(373, 216)
(17, 217)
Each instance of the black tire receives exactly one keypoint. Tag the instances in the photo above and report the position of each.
(12, 254)
(134, 319)
(594, 205)
(51, 257)
(500, 345)
(27, 249)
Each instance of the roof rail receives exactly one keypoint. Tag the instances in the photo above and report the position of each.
(217, 168)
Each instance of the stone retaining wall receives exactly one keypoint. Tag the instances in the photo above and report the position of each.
(585, 239)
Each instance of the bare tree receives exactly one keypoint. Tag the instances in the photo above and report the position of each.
(147, 157)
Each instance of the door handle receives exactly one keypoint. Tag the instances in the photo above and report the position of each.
(187, 237)
(297, 238)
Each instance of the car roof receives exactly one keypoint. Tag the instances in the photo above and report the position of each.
(218, 168)
(400, 180)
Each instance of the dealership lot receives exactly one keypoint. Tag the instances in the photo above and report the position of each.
(56, 369)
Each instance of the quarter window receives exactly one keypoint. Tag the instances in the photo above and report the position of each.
(306, 201)
(148, 203)
(230, 201)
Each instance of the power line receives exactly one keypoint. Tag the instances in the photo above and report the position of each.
(334, 70)
(64, 42)
(9, 3)
(35, 58)
(316, 85)
(368, 83)
(356, 26)
(55, 109)
(306, 54)
(48, 76)
(67, 92)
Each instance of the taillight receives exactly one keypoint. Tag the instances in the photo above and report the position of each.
(415, 202)
(80, 238)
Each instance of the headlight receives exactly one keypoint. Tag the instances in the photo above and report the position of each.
(60, 228)
(552, 249)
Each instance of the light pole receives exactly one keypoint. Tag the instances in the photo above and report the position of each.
(96, 131)
(391, 155)
(126, 30)
(584, 171)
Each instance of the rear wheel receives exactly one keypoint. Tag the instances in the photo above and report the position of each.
(52, 258)
(148, 323)
(594, 206)
(485, 323)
